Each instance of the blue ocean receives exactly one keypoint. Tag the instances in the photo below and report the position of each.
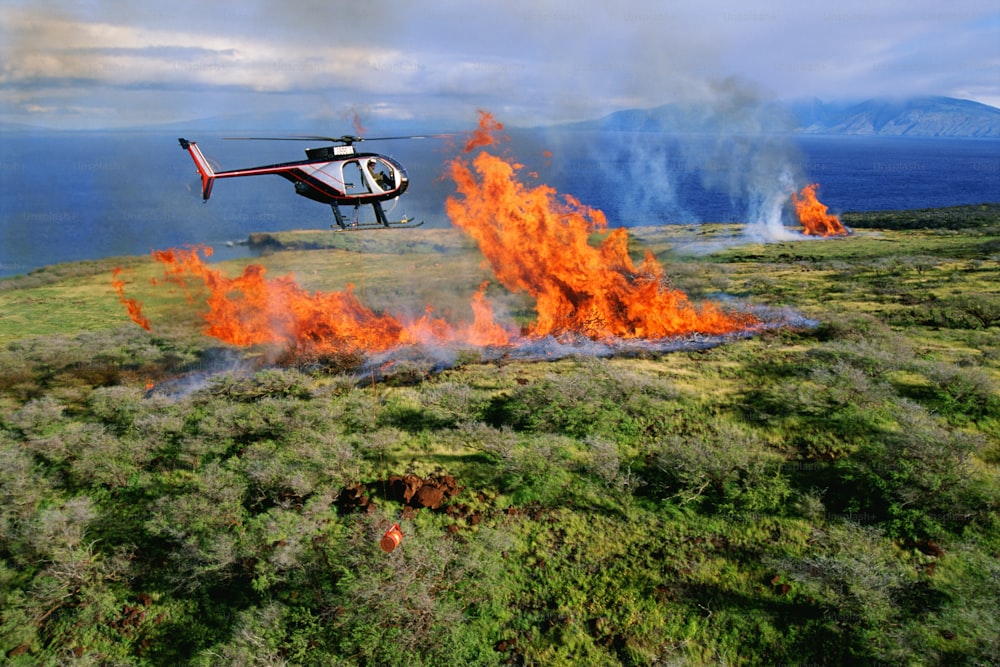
(77, 196)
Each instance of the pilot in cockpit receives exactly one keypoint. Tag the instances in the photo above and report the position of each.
(379, 176)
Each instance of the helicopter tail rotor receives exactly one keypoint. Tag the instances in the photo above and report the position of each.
(204, 168)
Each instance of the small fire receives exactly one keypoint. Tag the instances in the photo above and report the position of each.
(252, 309)
(536, 243)
(813, 214)
(133, 307)
(487, 134)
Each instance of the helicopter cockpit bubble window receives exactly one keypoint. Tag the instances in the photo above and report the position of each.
(381, 173)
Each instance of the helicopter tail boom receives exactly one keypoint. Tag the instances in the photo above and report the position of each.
(204, 168)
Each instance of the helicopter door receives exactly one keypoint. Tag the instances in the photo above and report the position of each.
(355, 182)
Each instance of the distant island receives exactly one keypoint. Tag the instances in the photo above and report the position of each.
(912, 117)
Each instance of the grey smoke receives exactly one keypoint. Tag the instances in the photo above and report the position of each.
(731, 137)
(739, 142)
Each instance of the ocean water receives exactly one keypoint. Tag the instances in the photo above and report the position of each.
(650, 179)
(78, 196)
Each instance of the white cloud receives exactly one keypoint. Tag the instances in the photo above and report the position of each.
(542, 60)
(119, 55)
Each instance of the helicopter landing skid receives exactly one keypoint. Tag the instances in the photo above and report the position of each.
(365, 226)
(380, 222)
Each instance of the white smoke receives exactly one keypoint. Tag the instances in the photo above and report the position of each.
(767, 209)
(731, 139)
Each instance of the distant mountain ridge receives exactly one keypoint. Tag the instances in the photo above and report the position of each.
(919, 117)
(913, 117)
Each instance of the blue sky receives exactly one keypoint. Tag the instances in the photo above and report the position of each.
(118, 63)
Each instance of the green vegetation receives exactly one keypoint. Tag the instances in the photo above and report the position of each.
(821, 495)
(971, 216)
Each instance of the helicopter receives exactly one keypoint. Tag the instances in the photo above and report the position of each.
(336, 175)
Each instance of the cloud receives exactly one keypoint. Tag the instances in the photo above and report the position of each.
(862, 49)
(126, 56)
(532, 62)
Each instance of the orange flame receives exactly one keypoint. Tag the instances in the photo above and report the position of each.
(813, 214)
(132, 307)
(540, 245)
(253, 309)
(487, 134)
(484, 330)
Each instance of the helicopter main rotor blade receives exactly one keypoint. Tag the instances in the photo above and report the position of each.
(346, 139)
(301, 138)
(411, 136)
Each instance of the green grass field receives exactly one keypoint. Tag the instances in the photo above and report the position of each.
(822, 494)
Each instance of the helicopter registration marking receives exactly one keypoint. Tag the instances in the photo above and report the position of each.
(343, 150)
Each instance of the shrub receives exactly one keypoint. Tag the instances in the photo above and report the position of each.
(497, 443)
(605, 462)
(874, 355)
(19, 377)
(117, 406)
(431, 601)
(257, 637)
(831, 412)
(729, 469)
(982, 308)
(923, 466)
(305, 463)
(920, 263)
(596, 398)
(960, 394)
(854, 327)
(202, 518)
(55, 438)
(450, 402)
(23, 491)
(356, 411)
(377, 445)
(267, 383)
(539, 469)
(853, 575)
(38, 417)
(102, 458)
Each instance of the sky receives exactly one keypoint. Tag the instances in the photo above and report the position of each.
(86, 64)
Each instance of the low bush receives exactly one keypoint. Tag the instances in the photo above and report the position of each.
(958, 394)
(728, 469)
(595, 398)
(921, 473)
